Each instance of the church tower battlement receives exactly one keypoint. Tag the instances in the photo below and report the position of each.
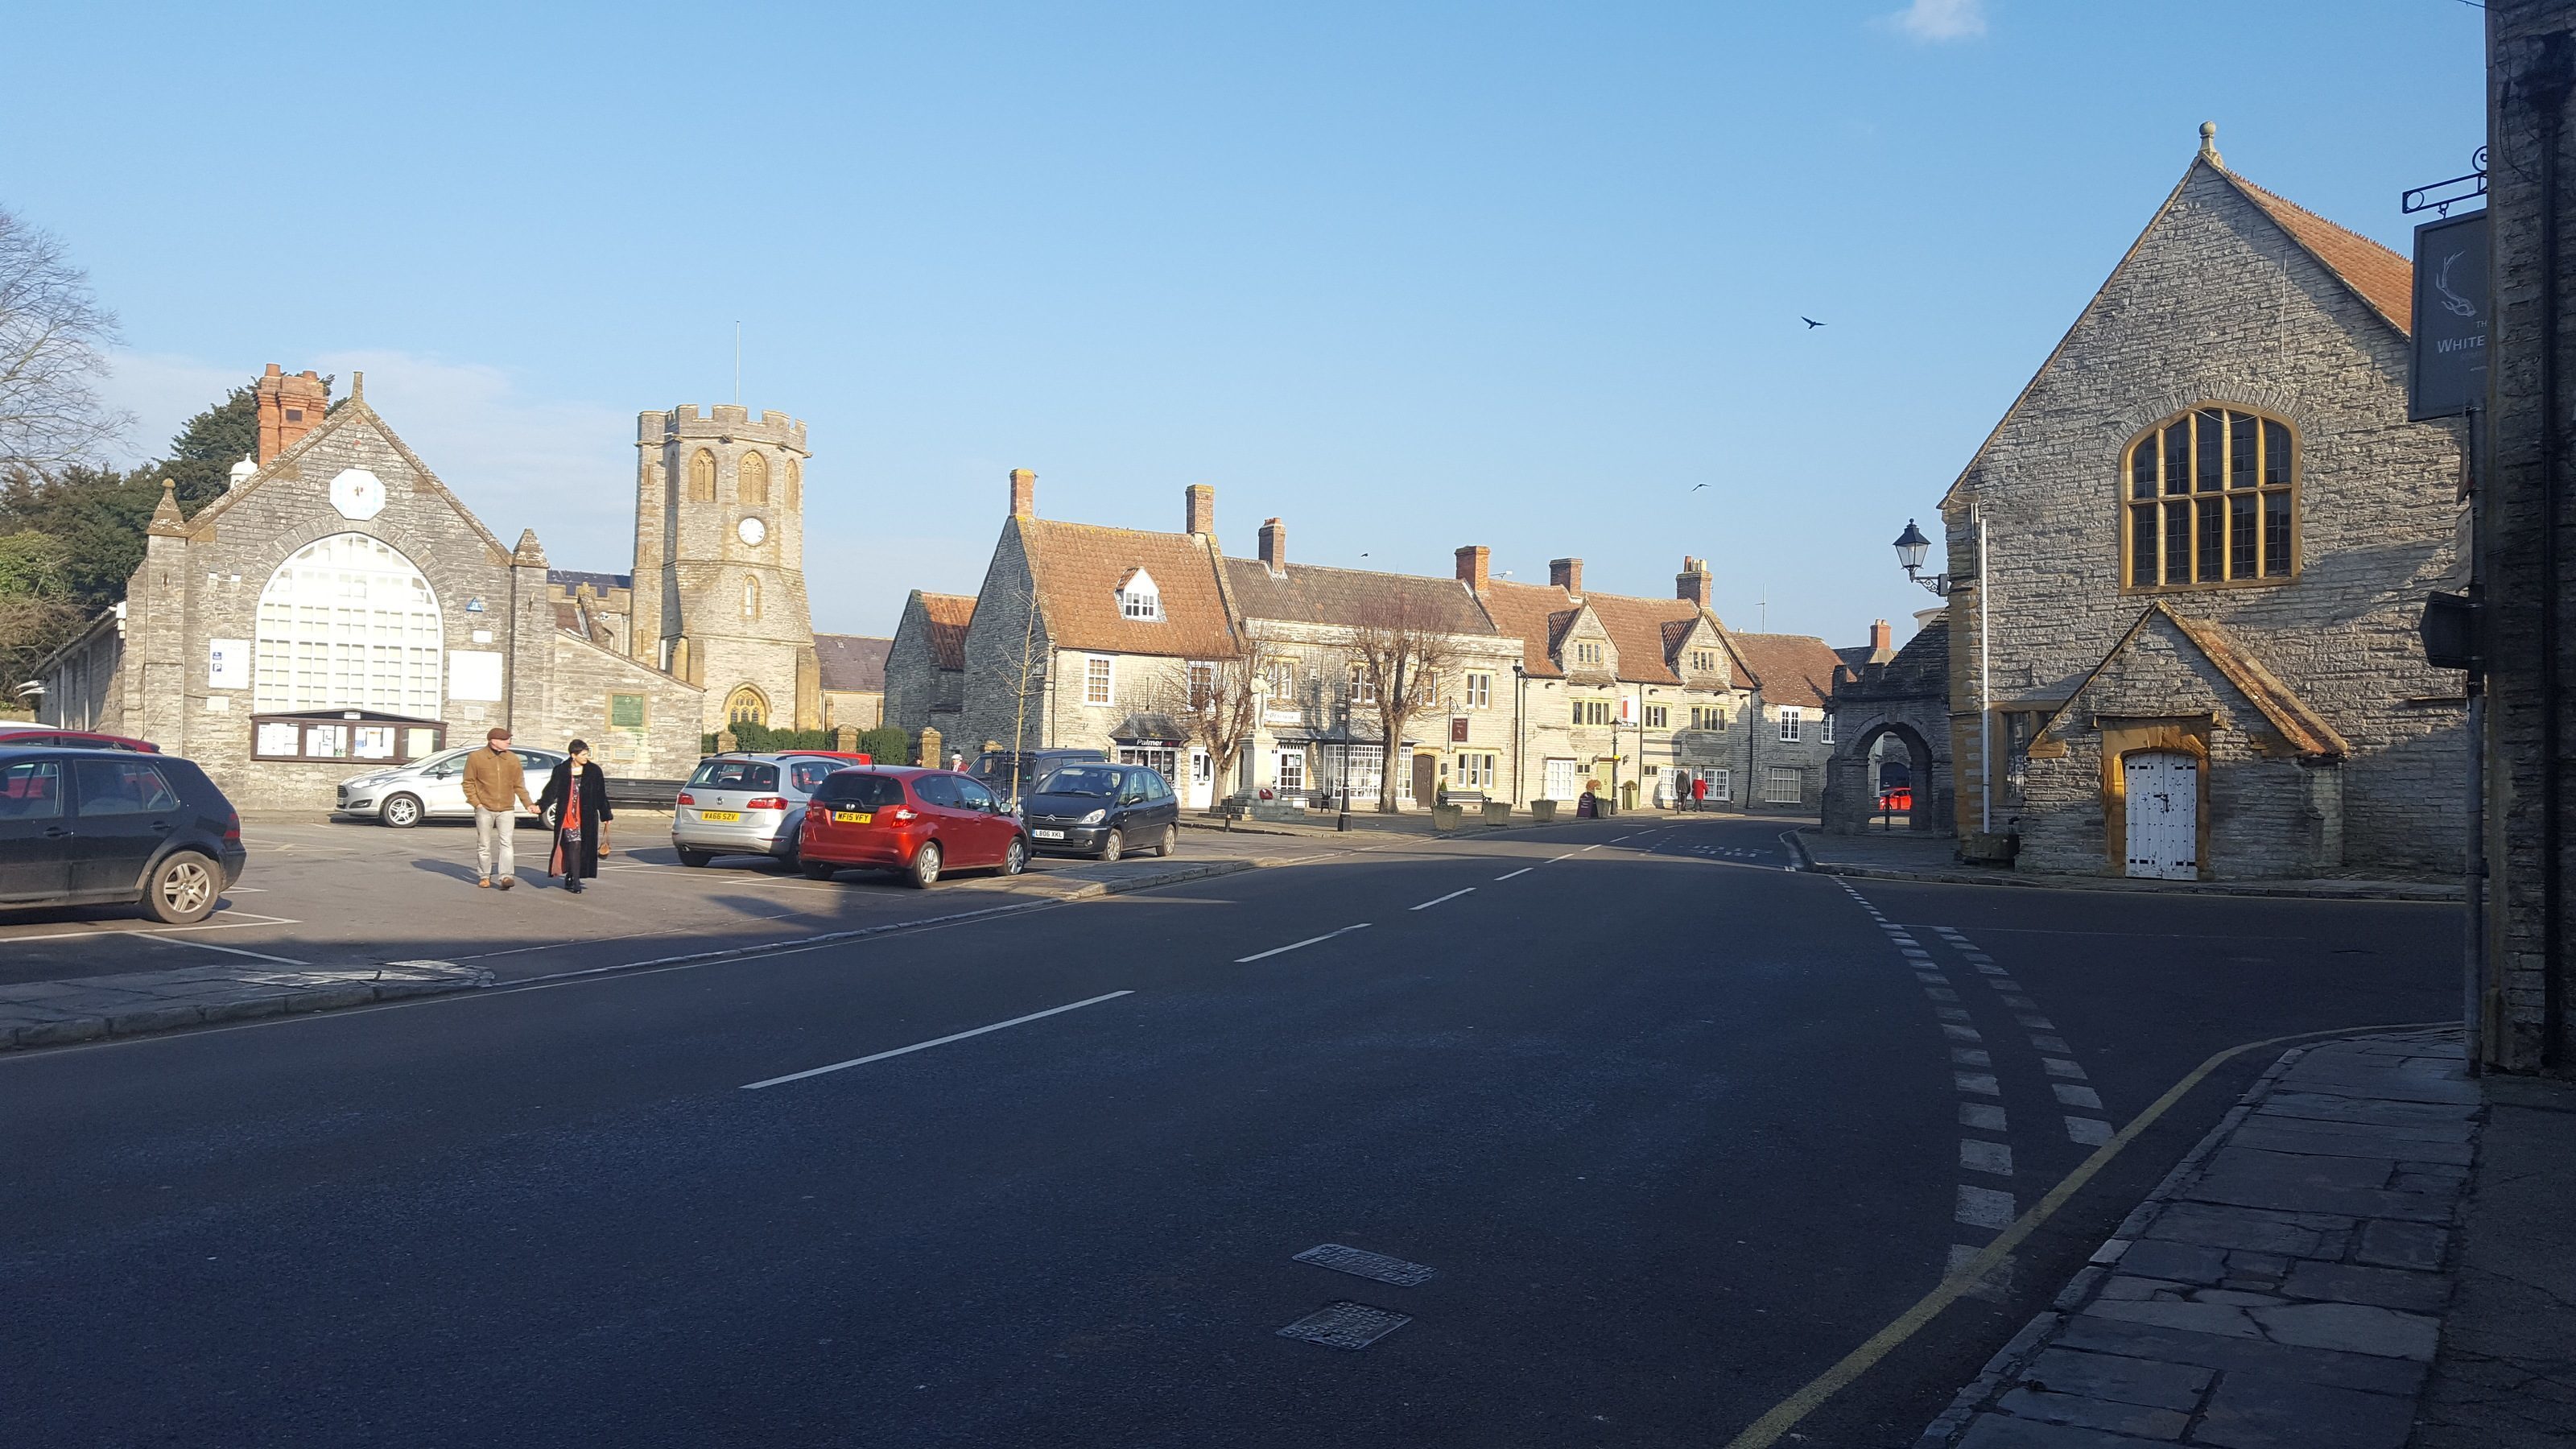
(720, 561)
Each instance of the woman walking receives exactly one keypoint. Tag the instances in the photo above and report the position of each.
(579, 793)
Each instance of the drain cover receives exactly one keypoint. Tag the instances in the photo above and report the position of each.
(1366, 1264)
(1346, 1325)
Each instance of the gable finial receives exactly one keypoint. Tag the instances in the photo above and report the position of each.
(2209, 144)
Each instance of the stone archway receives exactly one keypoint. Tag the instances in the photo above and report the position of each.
(1852, 787)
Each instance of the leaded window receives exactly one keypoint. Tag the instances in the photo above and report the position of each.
(2212, 499)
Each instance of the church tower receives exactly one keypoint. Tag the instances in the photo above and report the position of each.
(720, 562)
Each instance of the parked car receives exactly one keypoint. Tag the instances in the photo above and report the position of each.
(84, 826)
(1104, 810)
(1896, 798)
(992, 769)
(748, 804)
(432, 787)
(921, 823)
(48, 737)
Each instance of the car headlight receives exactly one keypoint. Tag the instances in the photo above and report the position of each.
(1095, 817)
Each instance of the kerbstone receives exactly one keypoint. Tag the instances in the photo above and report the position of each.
(2090, 1413)
(2128, 1380)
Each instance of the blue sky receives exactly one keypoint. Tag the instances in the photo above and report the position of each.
(1410, 276)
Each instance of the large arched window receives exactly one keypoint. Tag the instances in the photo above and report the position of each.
(702, 477)
(2212, 498)
(751, 478)
(348, 622)
(746, 705)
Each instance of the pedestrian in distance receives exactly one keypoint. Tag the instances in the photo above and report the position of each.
(579, 793)
(1699, 793)
(496, 786)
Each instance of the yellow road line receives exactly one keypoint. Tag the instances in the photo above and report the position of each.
(1767, 1430)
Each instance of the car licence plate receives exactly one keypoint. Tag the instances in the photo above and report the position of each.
(719, 815)
(1048, 834)
(854, 817)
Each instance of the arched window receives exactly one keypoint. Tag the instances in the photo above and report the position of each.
(751, 598)
(751, 478)
(795, 482)
(702, 477)
(2212, 499)
(348, 622)
(746, 705)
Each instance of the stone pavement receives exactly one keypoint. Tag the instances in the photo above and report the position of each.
(1904, 855)
(52, 1013)
(2285, 1285)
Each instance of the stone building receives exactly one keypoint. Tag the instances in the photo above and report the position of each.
(340, 608)
(720, 563)
(2187, 563)
(853, 668)
(1897, 707)
(925, 667)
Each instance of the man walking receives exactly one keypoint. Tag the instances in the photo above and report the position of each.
(495, 786)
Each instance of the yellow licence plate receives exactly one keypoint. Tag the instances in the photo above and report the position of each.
(719, 815)
(855, 817)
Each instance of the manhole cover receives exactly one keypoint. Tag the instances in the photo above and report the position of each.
(1366, 1264)
(1346, 1325)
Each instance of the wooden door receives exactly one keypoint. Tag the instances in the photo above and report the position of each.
(1426, 779)
(2163, 788)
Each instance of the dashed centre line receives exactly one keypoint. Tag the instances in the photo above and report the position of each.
(1436, 900)
(1524, 870)
(934, 1041)
(1296, 945)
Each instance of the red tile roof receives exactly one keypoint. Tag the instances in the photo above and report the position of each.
(949, 614)
(1644, 631)
(2381, 277)
(1078, 568)
(1790, 668)
(1311, 594)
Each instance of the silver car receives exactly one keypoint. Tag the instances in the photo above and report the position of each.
(744, 804)
(431, 787)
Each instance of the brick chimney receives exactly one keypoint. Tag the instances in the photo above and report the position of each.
(289, 407)
(1882, 637)
(1024, 493)
(1274, 545)
(1566, 574)
(1198, 509)
(1692, 584)
(1475, 566)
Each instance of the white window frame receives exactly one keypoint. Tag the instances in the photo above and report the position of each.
(1791, 717)
(350, 621)
(1549, 771)
(1480, 691)
(1362, 684)
(1202, 677)
(1291, 774)
(1474, 770)
(1772, 779)
(1721, 783)
(1099, 670)
(1141, 599)
(1825, 728)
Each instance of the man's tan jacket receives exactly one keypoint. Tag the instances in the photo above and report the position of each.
(493, 779)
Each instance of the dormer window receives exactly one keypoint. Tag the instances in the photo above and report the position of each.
(1138, 598)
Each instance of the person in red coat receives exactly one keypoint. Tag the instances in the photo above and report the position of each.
(581, 822)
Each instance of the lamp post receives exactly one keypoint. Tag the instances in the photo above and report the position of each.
(1911, 545)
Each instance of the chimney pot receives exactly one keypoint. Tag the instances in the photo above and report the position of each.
(1882, 637)
(1024, 493)
(1198, 509)
(1475, 566)
(289, 407)
(1274, 545)
(1566, 574)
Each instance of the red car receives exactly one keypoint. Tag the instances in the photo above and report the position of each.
(48, 737)
(1896, 798)
(917, 822)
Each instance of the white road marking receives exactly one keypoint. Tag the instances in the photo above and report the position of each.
(2074, 1096)
(1971, 1057)
(1984, 1207)
(211, 946)
(1569, 855)
(1294, 945)
(2089, 1131)
(1436, 900)
(1524, 870)
(232, 921)
(1981, 1083)
(1984, 1116)
(1595, 846)
(1956, 1032)
(1978, 1155)
(2036, 1023)
(2060, 1067)
(935, 1041)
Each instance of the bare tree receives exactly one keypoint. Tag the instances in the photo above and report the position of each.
(1401, 649)
(52, 339)
(1218, 701)
(1024, 670)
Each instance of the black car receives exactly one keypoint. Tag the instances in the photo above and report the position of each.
(82, 827)
(993, 768)
(1097, 808)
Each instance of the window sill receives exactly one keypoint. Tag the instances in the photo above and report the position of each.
(2271, 581)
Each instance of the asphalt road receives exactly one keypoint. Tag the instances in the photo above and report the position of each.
(1675, 1128)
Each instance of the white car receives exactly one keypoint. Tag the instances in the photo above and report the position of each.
(431, 787)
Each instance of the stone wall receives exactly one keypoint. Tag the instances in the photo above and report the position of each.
(587, 680)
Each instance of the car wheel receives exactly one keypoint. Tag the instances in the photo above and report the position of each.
(794, 859)
(1171, 842)
(925, 866)
(548, 819)
(1113, 845)
(694, 858)
(1016, 858)
(817, 869)
(182, 889)
(402, 812)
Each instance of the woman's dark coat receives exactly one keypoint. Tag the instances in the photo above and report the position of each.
(581, 858)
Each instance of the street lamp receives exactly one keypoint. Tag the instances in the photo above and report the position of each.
(1911, 545)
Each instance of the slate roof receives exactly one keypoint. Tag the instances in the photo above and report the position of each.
(1794, 669)
(1311, 594)
(1078, 567)
(948, 615)
(599, 583)
(1644, 631)
(852, 663)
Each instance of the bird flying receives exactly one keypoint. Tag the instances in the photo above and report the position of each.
(1811, 322)
(1695, 487)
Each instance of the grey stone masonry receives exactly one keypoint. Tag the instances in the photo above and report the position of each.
(56, 1013)
(2284, 1287)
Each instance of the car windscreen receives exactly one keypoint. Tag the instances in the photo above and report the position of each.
(857, 789)
(736, 775)
(1083, 780)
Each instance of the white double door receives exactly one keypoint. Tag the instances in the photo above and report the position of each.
(2164, 814)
